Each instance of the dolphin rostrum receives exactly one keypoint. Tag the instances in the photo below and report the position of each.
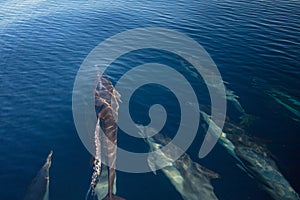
(39, 187)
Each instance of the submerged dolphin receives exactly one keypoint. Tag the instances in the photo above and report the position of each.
(230, 95)
(106, 105)
(287, 101)
(39, 187)
(189, 178)
(255, 160)
(261, 166)
(282, 97)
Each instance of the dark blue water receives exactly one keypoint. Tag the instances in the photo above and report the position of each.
(255, 44)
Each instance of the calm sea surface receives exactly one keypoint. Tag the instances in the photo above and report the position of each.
(255, 44)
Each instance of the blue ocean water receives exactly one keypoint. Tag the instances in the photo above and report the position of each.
(255, 44)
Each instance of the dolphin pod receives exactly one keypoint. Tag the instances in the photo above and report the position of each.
(39, 187)
(189, 178)
(255, 160)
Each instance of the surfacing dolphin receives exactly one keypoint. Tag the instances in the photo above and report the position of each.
(106, 105)
(255, 160)
(189, 178)
(39, 187)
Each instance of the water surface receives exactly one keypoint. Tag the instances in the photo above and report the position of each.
(255, 44)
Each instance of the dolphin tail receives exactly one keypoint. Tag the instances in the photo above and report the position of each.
(112, 197)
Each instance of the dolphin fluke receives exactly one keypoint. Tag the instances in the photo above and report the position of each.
(39, 187)
(112, 197)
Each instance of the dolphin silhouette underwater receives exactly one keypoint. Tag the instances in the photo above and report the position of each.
(254, 159)
(189, 178)
(260, 165)
(106, 105)
(39, 187)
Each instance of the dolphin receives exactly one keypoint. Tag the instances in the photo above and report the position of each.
(288, 101)
(189, 178)
(264, 170)
(106, 106)
(39, 187)
(260, 165)
(255, 160)
(230, 95)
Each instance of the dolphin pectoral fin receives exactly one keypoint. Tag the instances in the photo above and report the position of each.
(112, 197)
